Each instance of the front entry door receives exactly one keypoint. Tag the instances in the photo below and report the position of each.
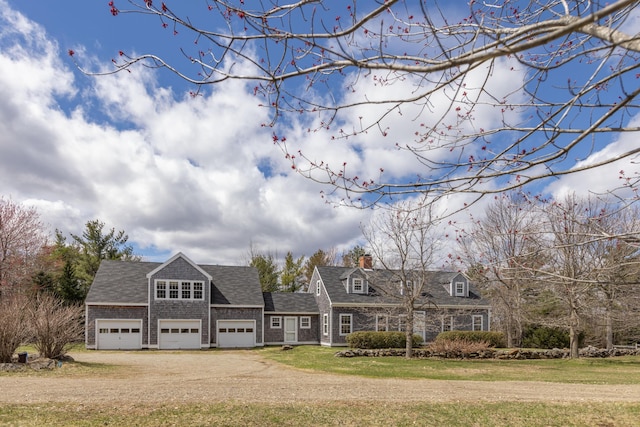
(290, 329)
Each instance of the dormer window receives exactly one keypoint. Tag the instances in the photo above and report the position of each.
(459, 289)
(408, 285)
(358, 286)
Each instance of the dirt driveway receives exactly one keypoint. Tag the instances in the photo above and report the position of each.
(179, 377)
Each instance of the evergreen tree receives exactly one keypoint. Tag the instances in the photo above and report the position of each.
(292, 275)
(267, 271)
(69, 287)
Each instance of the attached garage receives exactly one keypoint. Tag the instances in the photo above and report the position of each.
(119, 334)
(236, 333)
(179, 334)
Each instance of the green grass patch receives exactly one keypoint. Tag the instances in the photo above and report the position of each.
(617, 370)
(514, 414)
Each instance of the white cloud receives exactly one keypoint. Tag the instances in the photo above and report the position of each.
(176, 173)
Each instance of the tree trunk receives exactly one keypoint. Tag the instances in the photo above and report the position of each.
(609, 329)
(574, 334)
(409, 335)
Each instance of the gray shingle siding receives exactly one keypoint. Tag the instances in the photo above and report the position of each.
(114, 312)
(162, 309)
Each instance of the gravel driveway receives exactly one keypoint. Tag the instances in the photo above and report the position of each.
(206, 376)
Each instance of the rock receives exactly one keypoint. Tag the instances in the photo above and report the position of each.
(286, 347)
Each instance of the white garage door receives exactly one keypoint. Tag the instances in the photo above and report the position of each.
(179, 334)
(236, 333)
(119, 334)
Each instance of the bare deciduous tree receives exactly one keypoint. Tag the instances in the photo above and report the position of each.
(403, 241)
(56, 325)
(506, 93)
(499, 251)
(15, 328)
(22, 241)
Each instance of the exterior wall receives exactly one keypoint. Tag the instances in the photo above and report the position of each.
(324, 307)
(179, 269)
(276, 335)
(462, 321)
(231, 313)
(361, 320)
(114, 312)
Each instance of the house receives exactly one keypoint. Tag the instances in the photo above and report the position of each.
(179, 304)
(351, 299)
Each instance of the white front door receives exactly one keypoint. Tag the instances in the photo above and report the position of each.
(290, 329)
(179, 334)
(119, 334)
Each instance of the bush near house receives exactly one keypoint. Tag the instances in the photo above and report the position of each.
(382, 339)
(536, 336)
(493, 339)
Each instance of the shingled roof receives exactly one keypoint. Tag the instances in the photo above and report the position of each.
(125, 282)
(234, 285)
(289, 302)
(435, 290)
(121, 282)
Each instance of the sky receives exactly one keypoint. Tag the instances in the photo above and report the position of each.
(177, 173)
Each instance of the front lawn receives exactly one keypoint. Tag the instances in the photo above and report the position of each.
(617, 370)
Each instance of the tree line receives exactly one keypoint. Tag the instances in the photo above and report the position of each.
(570, 264)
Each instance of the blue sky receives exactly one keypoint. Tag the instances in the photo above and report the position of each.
(134, 150)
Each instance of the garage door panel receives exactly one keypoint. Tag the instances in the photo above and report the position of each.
(180, 334)
(236, 333)
(119, 334)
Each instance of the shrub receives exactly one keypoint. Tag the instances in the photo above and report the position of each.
(14, 325)
(382, 339)
(492, 339)
(56, 326)
(459, 346)
(536, 336)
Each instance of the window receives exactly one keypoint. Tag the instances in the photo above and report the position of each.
(476, 322)
(173, 290)
(305, 322)
(197, 290)
(318, 287)
(325, 324)
(276, 322)
(459, 289)
(402, 322)
(447, 323)
(382, 322)
(186, 290)
(345, 324)
(358, 286)
(180, 290)
(161, 290)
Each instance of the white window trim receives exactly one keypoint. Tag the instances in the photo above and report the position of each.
(461, 292)
(444, 322)
(474, 319)
(279, 322)
(360, 283)
(318, 287)
(385, 322)
(167, 290)
(402, 321)
(307, 320)
(345, 316)
(325, 324)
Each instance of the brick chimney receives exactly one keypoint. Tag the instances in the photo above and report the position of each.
(366, 262)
